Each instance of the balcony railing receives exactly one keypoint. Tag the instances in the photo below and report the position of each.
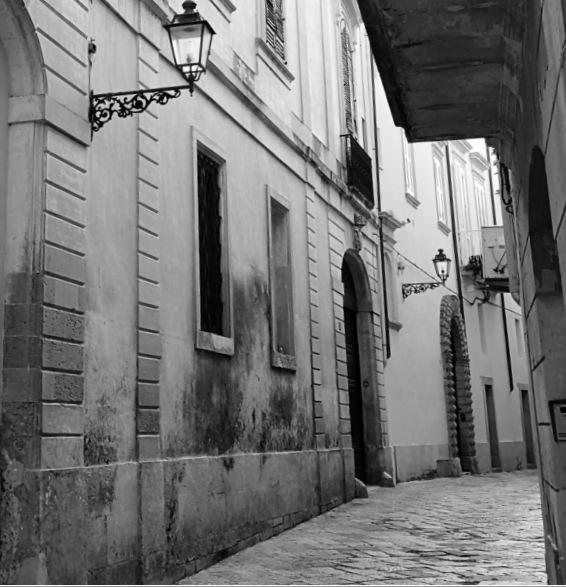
(358, 165)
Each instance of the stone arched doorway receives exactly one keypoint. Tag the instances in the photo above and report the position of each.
(457, 384)
(354, 377)
(365, 425)
(22, 136)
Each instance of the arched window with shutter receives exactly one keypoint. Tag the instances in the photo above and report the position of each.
(274, 27)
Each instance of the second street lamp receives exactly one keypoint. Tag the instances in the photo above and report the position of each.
(442, 268)
(191, 38)
(442, 265)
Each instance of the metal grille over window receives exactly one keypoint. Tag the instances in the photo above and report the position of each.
(274, 30)
(358, 164)
(210, 248)
(348, 81)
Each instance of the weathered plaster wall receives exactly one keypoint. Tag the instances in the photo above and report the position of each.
(132, 456)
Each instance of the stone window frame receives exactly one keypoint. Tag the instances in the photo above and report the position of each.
(481, 200)
(348, 17)
(222, 344)
(443, 215)
(266, 53)
(467, 238)
(391, 290)
(409, 171)
(346, 27)
(225, 8)
(280, 359)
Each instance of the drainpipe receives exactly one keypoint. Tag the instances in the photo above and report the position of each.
(454, 235)
(502, 297)
(378, 201)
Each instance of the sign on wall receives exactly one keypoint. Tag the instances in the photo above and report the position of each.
(494, 254)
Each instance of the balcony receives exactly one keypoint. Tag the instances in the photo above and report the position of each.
(358, 167)
(449, 69)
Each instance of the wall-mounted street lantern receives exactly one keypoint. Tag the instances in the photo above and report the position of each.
(442, 268)
(191, 38)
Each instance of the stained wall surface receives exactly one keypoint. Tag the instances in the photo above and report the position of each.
(135, 446)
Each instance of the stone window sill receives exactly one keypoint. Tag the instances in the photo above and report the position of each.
(395, 325)
(443, 227)
(412, 199)
(283, 361)
(214, 343)
(274, 62)
(225, 7)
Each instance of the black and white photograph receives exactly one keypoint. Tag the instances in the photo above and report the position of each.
(282, 292)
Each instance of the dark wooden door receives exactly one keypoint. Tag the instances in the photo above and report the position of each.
(354, 379)
(528, 429)
(492, 428)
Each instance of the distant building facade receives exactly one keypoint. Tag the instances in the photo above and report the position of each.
(456, 380)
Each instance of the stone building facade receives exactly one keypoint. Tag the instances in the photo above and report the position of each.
(163, 404)
(496, 70)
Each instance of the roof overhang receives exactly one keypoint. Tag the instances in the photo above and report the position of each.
(449, 67)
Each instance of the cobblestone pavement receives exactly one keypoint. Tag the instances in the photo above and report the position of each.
(483, 529)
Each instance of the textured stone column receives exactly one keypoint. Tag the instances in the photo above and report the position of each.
(149, 339)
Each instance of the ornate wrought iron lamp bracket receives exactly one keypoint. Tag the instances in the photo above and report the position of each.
(416, 288)
(191, 38)
(103, 107)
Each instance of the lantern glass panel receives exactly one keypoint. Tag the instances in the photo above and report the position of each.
(207, 33)
(442, 267)
(186, 43)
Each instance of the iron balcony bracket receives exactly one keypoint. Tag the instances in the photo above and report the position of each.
(416, 288)
(104, 106)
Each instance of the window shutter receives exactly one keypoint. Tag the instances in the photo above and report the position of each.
(274, 26)
(271, 26)
(347, 80)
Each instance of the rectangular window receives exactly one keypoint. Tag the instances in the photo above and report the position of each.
(481, 323)
(465, 236)
(274, 27)
(519, 336)
(210, 248)
(440, 186)
(281, 282)
(409, 167)
(350, 115)
(481, 203)
(214, 296)
(492, 426)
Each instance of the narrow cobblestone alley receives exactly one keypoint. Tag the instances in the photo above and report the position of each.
(483, 529)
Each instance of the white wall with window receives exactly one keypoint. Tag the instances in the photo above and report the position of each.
(480, 197)
(459, 157)
(441, 186)
(409, 171)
